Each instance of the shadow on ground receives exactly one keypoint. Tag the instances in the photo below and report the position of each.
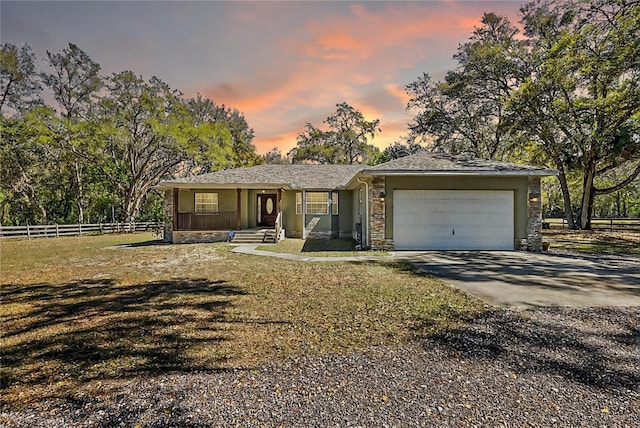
(564, 272)
(337, 244)
(97, 329)
(581, 345)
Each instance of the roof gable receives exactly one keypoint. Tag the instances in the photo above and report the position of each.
(442, 163)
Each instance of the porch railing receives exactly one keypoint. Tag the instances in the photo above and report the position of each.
(278, 225)
(222, 220)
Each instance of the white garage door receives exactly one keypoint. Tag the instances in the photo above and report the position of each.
(453, 220)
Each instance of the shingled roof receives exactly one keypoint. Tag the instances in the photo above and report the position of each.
(442, 163)
(315, 176)
(299, 176)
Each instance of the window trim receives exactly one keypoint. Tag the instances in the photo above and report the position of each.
(202, 204)
(298, 203)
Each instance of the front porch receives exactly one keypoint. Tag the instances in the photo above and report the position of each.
(211, 214)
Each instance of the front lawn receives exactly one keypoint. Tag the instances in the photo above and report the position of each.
(88, 312)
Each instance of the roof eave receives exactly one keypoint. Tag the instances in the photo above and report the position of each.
(167, 185)
(545, 172)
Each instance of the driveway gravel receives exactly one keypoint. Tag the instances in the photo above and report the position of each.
(567, 367)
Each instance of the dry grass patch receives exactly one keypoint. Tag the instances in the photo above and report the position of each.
(594, 241)
(98, 309)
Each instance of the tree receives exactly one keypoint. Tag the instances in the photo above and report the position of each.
(19, 83)
(274, 157)
(398, 150)
(465, 112)
(346, 141)
(74, 81)
(567, 94)
(143, 134)
(105, 142)
(243, 152)
(581, 100)
(212, 136)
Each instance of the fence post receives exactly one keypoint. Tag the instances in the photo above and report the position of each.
(57, 231)
(611, 225)
(100, 228)
(80, 228)
(28, 232)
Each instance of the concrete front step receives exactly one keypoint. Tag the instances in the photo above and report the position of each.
(254, 236)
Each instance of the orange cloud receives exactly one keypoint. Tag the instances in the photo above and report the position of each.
(399, 92)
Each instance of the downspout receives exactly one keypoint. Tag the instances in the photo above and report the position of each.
(366, 210)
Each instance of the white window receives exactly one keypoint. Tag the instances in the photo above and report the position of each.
(206, 202)
(298, 203)
(334, 203)
(317, 203)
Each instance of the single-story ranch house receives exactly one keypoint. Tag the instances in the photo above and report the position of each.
(426, 201)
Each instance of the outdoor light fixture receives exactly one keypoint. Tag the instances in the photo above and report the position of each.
(382, 195)
(263, 191)
(534, 199)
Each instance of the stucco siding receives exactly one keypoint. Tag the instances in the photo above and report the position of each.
(292, 223)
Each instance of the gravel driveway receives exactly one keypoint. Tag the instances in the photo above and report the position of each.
(538, 367)
(513, 278)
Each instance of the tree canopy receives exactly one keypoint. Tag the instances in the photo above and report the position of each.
(565, 93)
(345, 142)
(99, 149)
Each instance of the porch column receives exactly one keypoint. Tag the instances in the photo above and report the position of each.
(279, 204)
(377, 215)
(168, 216)
(238, 208)
(534, 215)
(175, 209)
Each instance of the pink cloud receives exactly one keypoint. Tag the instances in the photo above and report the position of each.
(342, 57)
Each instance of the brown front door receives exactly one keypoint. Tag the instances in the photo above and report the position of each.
(267, 209)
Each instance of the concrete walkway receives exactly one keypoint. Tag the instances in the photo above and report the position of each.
(251, 249)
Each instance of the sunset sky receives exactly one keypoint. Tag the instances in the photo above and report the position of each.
(280, 63)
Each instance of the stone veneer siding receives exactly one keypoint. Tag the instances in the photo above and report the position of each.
(377, 217)
(168, 216)
(534, 216)
(195, 237)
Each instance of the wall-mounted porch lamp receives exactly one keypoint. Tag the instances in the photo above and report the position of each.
(382, 195)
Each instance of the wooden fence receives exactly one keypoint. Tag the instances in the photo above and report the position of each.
(57, 230)
(629, 225)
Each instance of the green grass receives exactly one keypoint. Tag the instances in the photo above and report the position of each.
(595, 242)
(320, 248)
(87, 312)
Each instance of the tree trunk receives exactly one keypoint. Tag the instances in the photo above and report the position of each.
(80, 196)
(566, 196)
(588, 193)
(132, 205)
